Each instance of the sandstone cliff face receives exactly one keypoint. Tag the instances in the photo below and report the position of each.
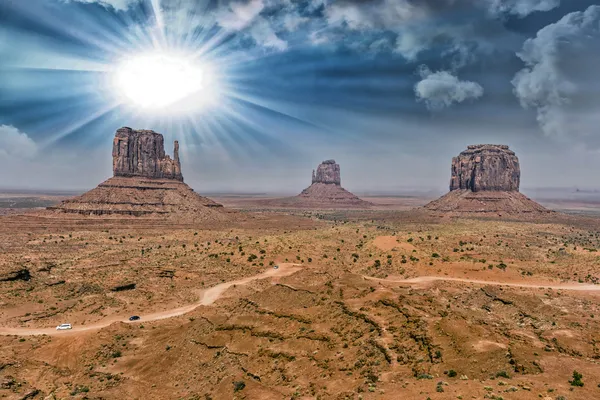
(486, 167)
(142, 153)
(327, 172)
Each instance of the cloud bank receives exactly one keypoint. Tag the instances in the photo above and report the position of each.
(521, 8)
(14, 143)
(119, 5)
(561, 75)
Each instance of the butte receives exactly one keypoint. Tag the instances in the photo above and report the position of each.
(485, 180)
(146, 183)
(326, 190)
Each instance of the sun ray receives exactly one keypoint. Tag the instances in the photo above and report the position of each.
(77, 125)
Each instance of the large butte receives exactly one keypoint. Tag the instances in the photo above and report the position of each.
(146, 182)
(485, 180)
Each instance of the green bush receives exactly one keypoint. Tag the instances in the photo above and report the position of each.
(576, 379)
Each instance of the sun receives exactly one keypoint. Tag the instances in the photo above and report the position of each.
(161, 81)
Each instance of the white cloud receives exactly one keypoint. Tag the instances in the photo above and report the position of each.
(244, 16)
(262, 32)
(521, 8)
(239, 14)
(119, 5)
(420, 24)
(14, 143)
(374, 14)
(441, 89)
(291, 21)
(560, 80)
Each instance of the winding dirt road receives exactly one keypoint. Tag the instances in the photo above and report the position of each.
(209, 296)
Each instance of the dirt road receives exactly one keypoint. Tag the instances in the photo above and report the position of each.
(427, 279)
(209, 296)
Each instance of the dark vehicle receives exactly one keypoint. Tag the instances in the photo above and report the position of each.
(134, 318)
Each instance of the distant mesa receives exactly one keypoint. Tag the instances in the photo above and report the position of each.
(485, 179)
(145, 182)
(326, 189)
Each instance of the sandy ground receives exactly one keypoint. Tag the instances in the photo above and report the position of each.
(209, 296)
(385, 305)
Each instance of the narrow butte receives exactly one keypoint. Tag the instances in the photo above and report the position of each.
(211, 295)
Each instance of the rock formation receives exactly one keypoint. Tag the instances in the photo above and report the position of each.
(327, 172)
(146, 182)
(485, 179)
(142, 153)
(486, 167)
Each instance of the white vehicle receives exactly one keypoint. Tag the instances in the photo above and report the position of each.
(275, 266)
(64, 327)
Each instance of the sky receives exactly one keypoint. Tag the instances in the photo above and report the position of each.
(259, 92)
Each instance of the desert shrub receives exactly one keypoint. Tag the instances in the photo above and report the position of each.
(452, 373)
(239, 385)
(502, 374)
(80, 389)
(576, 379)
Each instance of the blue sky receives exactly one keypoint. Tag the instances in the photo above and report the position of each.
(391, 89)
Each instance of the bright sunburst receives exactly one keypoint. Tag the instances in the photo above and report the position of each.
(160, 80)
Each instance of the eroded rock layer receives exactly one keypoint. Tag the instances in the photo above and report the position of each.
(486, 202)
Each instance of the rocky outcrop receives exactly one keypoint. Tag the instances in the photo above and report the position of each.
(485, 180)
(124, 287)
(486, 167)
(17, 275)
(142, 153)
(327, 172)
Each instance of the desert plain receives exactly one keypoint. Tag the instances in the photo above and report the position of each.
(377, 303)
